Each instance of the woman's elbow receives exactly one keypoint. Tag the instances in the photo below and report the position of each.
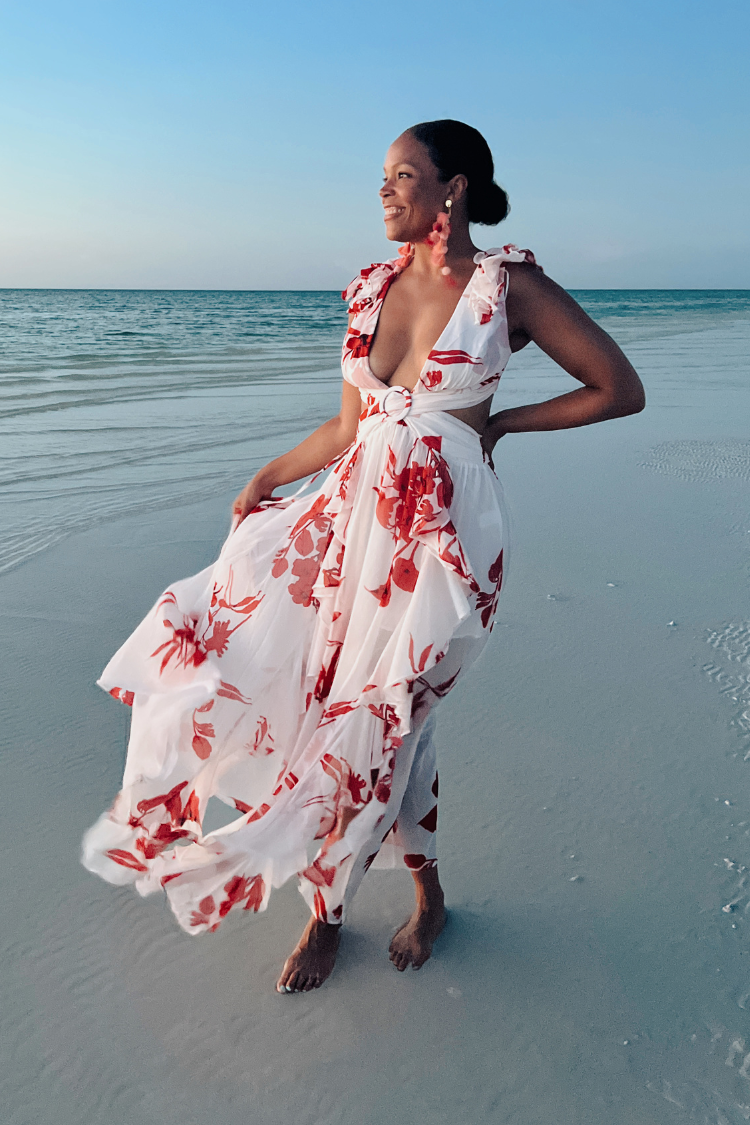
(629, 400)
(347, 431)
(636, 400)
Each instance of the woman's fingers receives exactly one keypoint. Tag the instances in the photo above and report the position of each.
(240, 508)
(249, 499)
(489, 441)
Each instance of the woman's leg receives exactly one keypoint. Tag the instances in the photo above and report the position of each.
(416, 833)
(314, 956)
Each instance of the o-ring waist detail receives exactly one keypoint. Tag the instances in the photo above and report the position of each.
(398, 403)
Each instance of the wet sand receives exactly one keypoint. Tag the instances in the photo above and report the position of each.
(594, 829)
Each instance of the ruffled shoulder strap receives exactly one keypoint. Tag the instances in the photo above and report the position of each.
(509, 253)
(490, 280)
(371, 283)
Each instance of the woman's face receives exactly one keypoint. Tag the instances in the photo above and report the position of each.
(412, 191)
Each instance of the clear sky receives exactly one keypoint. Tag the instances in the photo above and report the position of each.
(227, 144)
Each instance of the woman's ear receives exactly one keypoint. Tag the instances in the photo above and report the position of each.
(456, 187)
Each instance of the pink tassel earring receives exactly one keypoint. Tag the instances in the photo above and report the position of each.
(438, 239)
(405, 255)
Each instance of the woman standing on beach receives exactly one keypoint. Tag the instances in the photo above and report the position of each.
(296, 678)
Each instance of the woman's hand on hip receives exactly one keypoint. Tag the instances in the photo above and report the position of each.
(490, 437)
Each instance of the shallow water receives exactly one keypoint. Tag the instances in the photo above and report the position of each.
(116, 402)
(595, 822)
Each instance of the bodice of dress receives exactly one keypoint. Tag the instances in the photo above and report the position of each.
(465, 365)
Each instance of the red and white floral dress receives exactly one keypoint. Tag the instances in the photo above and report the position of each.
(294, 678)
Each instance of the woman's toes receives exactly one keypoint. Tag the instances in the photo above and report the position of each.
(392, 946)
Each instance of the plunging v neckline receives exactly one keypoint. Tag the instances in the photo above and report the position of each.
(434, 347)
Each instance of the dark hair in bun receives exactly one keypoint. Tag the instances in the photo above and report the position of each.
(457, 148)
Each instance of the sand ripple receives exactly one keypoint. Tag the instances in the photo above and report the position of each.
(732, 644)
(701, 461)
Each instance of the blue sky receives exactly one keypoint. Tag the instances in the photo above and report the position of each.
(240, 145)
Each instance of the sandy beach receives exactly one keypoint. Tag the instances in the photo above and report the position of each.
(594, 822)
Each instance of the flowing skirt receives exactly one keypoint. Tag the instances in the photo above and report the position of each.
(287, 678)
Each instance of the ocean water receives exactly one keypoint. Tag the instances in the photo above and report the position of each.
(113, 402)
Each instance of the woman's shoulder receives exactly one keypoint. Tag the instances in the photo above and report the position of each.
(489, 285)
(368, 278)
(372, 281)
(505, 255)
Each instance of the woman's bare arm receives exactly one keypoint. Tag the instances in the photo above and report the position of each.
(540, 310)
(325, 443)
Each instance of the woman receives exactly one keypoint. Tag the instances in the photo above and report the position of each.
(295, 679)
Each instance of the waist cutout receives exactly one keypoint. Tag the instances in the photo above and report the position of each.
(398, 403)
(424, 413)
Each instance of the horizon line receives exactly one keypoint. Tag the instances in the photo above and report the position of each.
(165, 289)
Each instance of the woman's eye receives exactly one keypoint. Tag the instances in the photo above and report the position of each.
(403, 174)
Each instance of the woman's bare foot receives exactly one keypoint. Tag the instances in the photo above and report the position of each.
(412, 944)
(313, 958)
